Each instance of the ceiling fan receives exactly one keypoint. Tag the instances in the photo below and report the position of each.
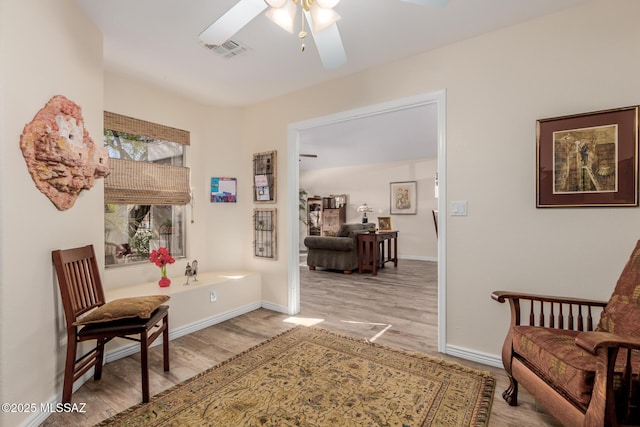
(319, 15)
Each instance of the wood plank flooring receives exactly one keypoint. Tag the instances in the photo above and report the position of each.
(398, 307)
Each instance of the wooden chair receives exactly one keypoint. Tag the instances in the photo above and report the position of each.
(81, 291)
(581, 375)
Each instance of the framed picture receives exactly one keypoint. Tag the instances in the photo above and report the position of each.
(223, 190)
(264, 177)
(403, 198)
(588, 159)
(384, 223)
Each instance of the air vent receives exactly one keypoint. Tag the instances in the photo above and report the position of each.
(228, 49)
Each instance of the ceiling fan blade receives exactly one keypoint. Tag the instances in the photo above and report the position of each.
(434, 3)
(329, 44)
(232, 21)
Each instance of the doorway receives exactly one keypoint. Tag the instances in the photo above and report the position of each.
(293, 150)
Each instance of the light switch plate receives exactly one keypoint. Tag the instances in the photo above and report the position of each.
(459, 208)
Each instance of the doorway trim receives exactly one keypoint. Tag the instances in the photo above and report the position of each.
(293, 185)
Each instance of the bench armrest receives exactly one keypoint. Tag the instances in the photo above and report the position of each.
(592, 341)
(503, 296)
(550, 311)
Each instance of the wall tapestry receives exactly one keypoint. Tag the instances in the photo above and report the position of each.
(61, 156)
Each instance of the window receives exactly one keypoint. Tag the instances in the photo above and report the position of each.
(146, 191)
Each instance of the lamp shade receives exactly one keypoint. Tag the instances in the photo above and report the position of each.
(322, 18)
(364, 208)
(326, 4)
(284, 16)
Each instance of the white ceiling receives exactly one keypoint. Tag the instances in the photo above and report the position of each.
(405, 134)
(157, 41)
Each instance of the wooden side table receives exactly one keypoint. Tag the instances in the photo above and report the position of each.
(373, 253)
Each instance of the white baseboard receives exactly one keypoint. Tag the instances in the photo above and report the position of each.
(419, 258)
(275, 307)
(474, 356)
(119, 353)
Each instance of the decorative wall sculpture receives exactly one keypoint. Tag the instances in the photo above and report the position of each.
(61, 156)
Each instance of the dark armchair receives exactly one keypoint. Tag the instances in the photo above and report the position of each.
(339, 252)
(582, 376)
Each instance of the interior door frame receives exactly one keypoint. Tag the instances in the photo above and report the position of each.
(293, 185)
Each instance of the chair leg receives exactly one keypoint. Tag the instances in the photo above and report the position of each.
(69, 368)
(97, 373)
(144, 365)
(165, 342)
(510, 395)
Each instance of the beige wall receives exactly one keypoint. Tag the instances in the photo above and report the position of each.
(215, 137)
(497, 85)
(47, 48)
(370, 184)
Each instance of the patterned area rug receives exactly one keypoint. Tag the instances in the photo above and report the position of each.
(314, 377)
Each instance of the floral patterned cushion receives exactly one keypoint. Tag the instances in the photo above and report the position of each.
(555, 356)
(124, 308)
(622, 314)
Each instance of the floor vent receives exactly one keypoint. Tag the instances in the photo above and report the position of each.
(228, 49)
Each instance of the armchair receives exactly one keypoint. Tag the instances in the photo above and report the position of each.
(581, 375)
(339, 252)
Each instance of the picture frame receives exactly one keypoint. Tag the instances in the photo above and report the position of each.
(588, 159)
(384, 223)
(264, 177)
(403, 198)
(223, 190)
(265, 227)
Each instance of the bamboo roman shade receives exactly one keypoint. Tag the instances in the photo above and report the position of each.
(120, 123)
(144, 183)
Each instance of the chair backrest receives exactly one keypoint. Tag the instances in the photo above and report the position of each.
(622, 313)
(79, 281)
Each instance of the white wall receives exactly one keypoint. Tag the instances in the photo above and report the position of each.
(47, 48)
(370, 184)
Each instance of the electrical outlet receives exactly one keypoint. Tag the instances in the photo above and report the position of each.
(213, 296)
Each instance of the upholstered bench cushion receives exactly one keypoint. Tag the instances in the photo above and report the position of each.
(554, 355)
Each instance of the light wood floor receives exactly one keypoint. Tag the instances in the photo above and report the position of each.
(398, 308)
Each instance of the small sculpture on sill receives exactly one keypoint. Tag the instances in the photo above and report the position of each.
(194, 270)
(191, 271)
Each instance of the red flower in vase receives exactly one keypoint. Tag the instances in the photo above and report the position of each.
(161, 258)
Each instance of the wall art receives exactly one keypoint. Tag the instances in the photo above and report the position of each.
(403, 198)
(264, 177)
(588, 159)
(61, 156)
(223, 190)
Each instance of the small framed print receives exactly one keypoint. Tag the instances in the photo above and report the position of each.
(223, 190)
(403, 198)
(384, 223)
(588, 159)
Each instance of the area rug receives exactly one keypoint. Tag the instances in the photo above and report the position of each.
(309, 376)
